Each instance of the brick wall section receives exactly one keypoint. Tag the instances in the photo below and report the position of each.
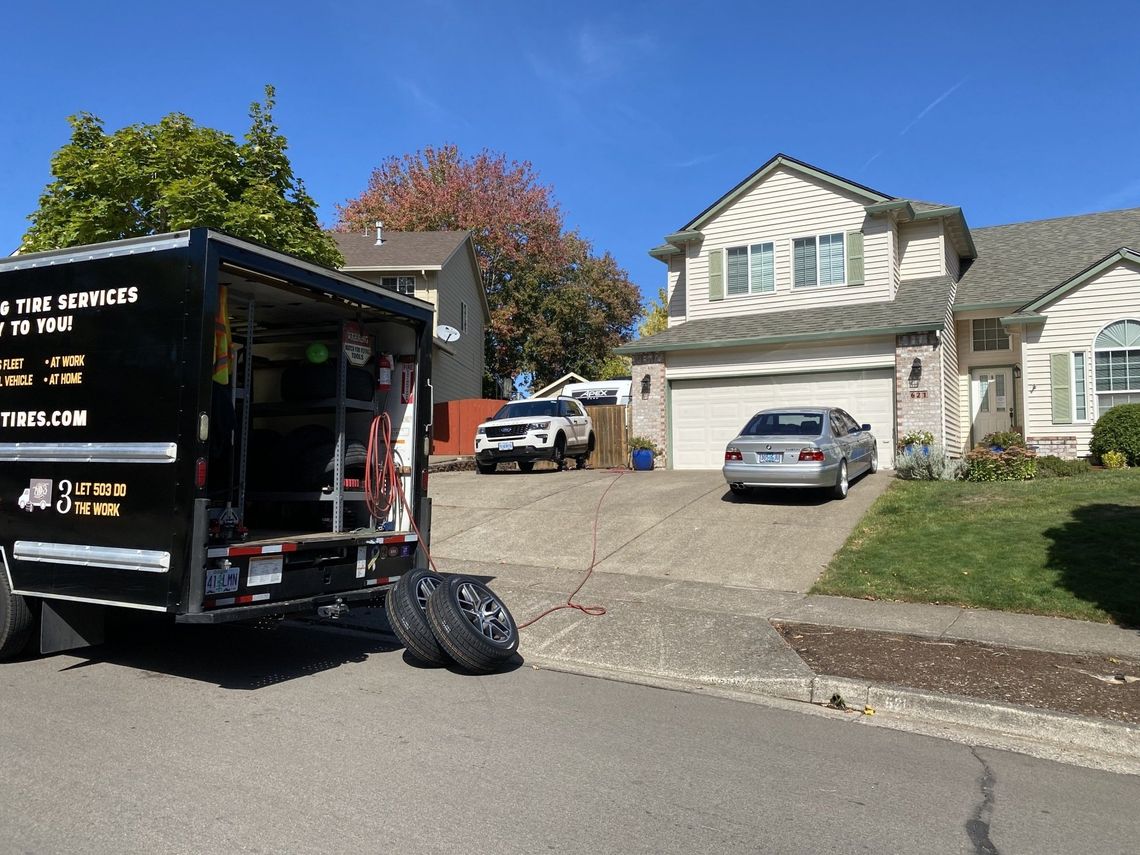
(918, 394)
(648, 418)
(1060, 446)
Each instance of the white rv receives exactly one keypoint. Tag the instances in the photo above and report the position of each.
(598, 392)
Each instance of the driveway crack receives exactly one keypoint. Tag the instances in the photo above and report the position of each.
(660, 522)
(978, 825)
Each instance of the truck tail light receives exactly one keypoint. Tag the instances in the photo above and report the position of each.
(200, 473)
(811, 454)
(731, 453)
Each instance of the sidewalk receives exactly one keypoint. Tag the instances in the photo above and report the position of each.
(718, 639)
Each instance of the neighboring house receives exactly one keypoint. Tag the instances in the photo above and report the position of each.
(553, 390)
(441, 268)
(800, 287)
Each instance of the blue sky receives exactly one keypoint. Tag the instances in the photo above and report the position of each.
(639, 114)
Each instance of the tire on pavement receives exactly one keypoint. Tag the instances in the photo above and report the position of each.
(839, 491)
(472, 624)
(526, 465)
(485, 468)
(17, 620)
(407, 613)
(558, 455)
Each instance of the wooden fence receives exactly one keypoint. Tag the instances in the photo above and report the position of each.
(611, 431)
(454, 423)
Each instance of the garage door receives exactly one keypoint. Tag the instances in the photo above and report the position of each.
(708, 413)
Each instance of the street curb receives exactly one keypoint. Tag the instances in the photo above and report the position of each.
(1062, 730)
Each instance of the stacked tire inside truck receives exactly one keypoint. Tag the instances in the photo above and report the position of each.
(452, 619)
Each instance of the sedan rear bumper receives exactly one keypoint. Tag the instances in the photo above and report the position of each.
(798, 474)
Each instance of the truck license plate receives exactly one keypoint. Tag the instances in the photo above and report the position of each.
(506, 446)
(222, 581)
(769, 457)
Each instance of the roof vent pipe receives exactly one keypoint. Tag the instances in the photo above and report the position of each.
(379, 233)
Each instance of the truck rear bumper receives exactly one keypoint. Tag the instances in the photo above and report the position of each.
(254, 611)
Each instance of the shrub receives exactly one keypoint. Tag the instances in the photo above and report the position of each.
(917, 437)
(1004, 438)
(1013, 464)
(1114, 460)
(1051, 466)
(640, 442)
(914, 465)
(1118, 430)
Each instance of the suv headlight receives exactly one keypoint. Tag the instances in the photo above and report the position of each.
(481, 429)
(538, 425)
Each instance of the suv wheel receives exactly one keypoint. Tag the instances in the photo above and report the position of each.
(486, 468)
(526, 465)
(558, 457)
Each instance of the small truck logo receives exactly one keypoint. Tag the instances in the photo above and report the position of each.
(36, 495)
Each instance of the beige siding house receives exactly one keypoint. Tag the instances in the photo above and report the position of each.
(441, 268)
(800, 287)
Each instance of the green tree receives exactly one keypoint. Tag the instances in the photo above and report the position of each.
(173, 175)
(555, 305)
(656, 315)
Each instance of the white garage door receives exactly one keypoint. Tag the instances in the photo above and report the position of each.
(708, 413)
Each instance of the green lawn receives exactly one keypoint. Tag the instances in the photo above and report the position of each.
(1057, 546)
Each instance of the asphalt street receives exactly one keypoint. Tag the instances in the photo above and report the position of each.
(298, 739)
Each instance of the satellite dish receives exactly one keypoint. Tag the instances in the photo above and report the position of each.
(445, 333)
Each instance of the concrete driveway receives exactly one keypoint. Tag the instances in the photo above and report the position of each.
(677, 525)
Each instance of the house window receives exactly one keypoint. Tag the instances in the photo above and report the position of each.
(1116, 358)
(1080, 398)
(462, 316)
(400, 284)
(750, 269)
(989, 335)
(818, 261)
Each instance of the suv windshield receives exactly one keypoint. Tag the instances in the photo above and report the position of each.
(517, 409)
(784, 424)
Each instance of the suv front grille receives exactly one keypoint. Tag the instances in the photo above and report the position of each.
(505, 431)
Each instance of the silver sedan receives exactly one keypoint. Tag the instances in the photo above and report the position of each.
(800, 447)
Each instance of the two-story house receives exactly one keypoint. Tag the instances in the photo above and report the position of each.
(799, 287)
(440, 267)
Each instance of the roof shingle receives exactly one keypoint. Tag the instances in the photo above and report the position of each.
(399, 249)
(1019, 262)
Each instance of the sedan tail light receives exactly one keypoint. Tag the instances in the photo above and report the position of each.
(811, 454)
(731, 453)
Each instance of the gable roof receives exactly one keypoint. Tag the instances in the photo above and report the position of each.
(1020, 263)
(919, 306)
(773, 164)
(572, 377)
(399, 251)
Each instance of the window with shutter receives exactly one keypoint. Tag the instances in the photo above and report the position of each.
(737, 263)
(804, 263)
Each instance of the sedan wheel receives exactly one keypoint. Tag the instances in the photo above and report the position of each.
(874, 460)
(839, 491)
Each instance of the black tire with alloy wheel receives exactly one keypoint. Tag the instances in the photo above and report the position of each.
(558, 456)
(16, 621)
(874, 467)
(472, 624)
(486, 468)
(839, 491)
(407, 613)
(526, 465)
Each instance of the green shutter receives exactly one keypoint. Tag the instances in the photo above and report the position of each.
(716, 275)
(1061, 381)
(854, 258)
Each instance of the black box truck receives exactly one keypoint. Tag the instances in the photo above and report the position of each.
(190, 425)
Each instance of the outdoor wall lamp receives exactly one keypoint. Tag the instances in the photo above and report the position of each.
(1017, 371)
(915, 373)
(645, 381)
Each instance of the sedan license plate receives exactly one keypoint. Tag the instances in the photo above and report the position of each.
(222, 581)
(506, 446)
(769, 457)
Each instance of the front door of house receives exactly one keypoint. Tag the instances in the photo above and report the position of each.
(991, 400)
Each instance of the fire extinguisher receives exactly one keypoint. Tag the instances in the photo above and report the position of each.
(383, 372)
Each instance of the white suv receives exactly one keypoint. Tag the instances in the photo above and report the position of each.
(535, 429)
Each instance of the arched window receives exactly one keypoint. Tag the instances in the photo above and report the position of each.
(1117, 359)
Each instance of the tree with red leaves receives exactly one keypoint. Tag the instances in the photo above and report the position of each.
(555, 306)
